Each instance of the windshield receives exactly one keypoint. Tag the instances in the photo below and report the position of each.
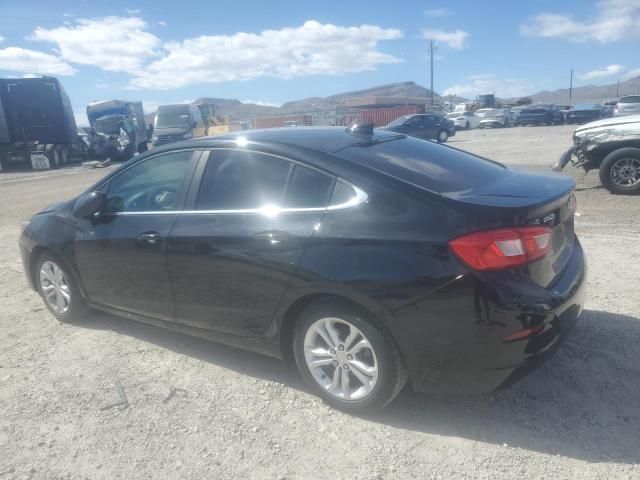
(109, 125)
(398, 121)
(587, 106)
(492, 113)
(172, 118)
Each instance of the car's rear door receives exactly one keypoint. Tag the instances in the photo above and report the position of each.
(231, 256)
(121, 252)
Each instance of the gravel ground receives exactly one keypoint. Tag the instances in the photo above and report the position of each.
(110, 398)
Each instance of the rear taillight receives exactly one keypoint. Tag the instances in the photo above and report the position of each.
(502, 248)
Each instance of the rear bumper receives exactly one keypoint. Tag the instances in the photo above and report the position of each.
(463, 349)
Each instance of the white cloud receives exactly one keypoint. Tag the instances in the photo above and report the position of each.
(1, 39)
(29, 75)
(616, 20)
(454, 39)
(487, 83)
(117, 44)
(15, 59)
(133, 11)
(632, 74)
(311, 49)
(162, 23)
(262, 103)
(437, 12)
(607, 71)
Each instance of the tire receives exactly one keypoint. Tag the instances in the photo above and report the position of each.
(382, 355)
(50, 152)
(442, 136)
(143, 147)
(52, 287)
(64, 156)
(56, 157)
(624, 161)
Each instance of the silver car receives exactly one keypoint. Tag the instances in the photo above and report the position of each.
(494, 117)
(628, 105)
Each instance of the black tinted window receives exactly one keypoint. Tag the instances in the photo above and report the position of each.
(630, 99)
(150, 185)
(308, 189)
(235, 180)
(424, 163)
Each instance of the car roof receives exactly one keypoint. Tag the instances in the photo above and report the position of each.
(320, 139)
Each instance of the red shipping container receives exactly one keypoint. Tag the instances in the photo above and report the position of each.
(383, 116)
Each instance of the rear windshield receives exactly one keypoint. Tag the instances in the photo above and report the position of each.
(426, 164)
(630, 99)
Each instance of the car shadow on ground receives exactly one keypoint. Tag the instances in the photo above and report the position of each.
(584, 403)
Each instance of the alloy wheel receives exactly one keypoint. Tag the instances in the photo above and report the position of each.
(625, 172)
(55, 288)
(341, 359)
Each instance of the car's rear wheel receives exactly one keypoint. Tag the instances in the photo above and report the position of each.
(620, 171)
(347, 358)
(58, 289)
(442, 136)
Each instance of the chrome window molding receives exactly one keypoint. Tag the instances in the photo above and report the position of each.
(358, 199)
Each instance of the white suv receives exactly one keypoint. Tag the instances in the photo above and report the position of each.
(629, 105)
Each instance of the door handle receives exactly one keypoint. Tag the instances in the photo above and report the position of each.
(274, 237)
(149, 238)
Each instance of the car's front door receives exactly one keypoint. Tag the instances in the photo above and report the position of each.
(121, 252)
(231, 257)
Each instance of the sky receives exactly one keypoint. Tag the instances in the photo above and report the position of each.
(271, 52)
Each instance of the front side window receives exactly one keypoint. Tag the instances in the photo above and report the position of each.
(151, 185)
(241, 180)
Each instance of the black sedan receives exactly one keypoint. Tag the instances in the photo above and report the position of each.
(365, 256)
(588, 112)
(427, 126)
(540, 115)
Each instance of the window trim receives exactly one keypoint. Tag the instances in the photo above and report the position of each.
(360, 197)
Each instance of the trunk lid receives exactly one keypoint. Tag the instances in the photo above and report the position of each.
(520, 197)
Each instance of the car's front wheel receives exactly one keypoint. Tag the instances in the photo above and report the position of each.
(58, 289)
(620, 171)
(347, 358)
(442, 136)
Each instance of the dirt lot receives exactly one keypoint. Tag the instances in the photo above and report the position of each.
(201, 410)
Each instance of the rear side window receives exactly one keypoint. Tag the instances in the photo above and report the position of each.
(308, 188)
(630, 99)
(239, 180)
(426, 164)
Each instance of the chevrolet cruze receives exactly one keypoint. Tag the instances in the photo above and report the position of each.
(367, 257)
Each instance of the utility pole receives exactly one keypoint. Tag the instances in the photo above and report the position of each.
(618, 89)
(571, 87)
(431, 58)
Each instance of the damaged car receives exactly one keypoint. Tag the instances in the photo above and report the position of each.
(613, 147)
(118, 129)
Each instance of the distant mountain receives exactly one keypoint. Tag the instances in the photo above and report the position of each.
(391, 90)
(237, 110)
(589, 93)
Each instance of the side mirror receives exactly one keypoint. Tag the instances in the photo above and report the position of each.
(89, 203)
